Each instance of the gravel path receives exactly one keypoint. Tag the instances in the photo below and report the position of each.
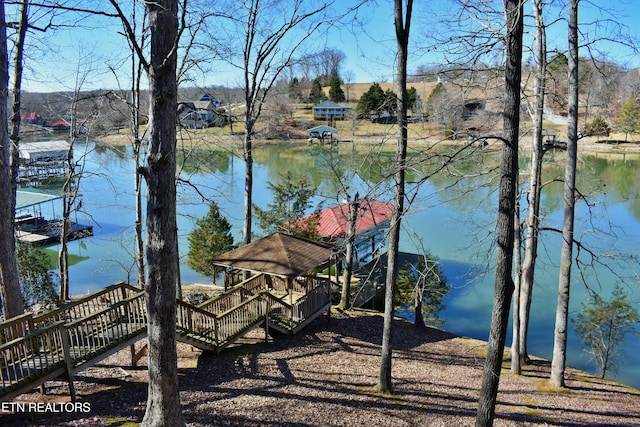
(325, 375)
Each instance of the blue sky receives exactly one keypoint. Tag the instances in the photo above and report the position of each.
(368, 41)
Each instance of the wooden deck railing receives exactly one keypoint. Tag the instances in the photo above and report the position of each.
(238, 320)
(16, 327)
(196, 321)
(235, 295)
(86, 306)
(219, 330)
(39, 354)
(106, 328)
(82, 332)
(290, 316)
(313, 301)
(366, 292)
(300, 285)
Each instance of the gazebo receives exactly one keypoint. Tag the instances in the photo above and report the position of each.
(287, 270)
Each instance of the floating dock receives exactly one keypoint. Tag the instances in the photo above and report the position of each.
(37, 230)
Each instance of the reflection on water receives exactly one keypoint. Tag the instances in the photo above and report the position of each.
(452, 215)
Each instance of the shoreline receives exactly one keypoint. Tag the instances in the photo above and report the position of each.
(235, 142)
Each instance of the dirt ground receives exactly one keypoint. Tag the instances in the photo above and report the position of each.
(325, 376)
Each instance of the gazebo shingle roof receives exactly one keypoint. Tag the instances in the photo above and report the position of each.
(278, 254)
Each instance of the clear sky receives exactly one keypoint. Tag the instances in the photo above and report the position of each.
(96, 53)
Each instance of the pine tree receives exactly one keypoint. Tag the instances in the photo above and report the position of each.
(598, 127)
(602, 325)
(336, 94)
(422, 288)
(317, 94)
(291, 201)
(210, 237)
(371, 101)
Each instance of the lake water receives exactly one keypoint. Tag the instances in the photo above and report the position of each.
(452, 215)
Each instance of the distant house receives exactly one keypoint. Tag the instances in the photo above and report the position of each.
(330, 110)
(199, 114)
(372, 226)
(32, 118)
(60, 125)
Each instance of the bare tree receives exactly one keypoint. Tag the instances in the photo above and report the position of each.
(163, 401)
(506, 205)
(522, 302)
(352, 219)
(16, 117)
(12, 303)
(132, 99)
(159, 173)
(402, 19)
(269, 33)
(566, 257)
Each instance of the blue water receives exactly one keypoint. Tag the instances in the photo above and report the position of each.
(453, 218)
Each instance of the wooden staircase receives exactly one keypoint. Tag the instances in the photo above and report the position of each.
(75, 336)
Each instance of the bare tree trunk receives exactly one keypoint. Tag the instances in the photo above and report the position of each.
(566, 257)
(506, 206)
(418, 321)
(68, 197)
(516, 366)
(16, 118)
(12, 304)
(248, 182)
(535, 178)
(402, 26)
(163, 401)
(348, 270)
(136, 73)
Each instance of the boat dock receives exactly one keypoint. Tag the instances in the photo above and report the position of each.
(37, 230)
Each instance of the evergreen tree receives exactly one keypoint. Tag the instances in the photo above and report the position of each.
(422, 288)
(210, 237)
(291, 201)
(629, 118)
(336, 94)
(371, 101)
(603, 324)
(293, 87)
(598, 127)
(317, 94)
(412, 97)
(390, 102)
(34, 273)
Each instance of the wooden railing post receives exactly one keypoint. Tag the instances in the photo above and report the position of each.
(66, 345)
(216, 326)
(267, 308)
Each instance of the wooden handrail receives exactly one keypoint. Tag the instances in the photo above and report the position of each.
(16, 327)
(279, 300)
(68, 308)
(68, 338)
(31, 335)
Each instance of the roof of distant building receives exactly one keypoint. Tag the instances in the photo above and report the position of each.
(333, 221)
